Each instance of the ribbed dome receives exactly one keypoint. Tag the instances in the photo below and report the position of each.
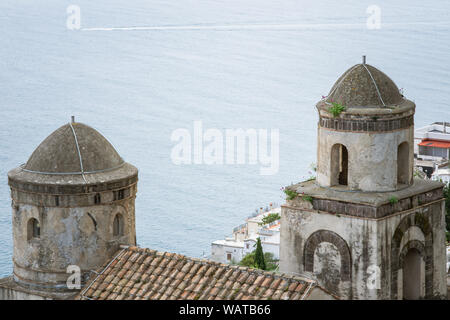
(61, 151)
(364, 86)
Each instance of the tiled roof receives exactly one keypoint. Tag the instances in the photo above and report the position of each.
(143, 274)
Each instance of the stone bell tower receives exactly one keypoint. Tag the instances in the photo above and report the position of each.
(365, 228)
(72, 204)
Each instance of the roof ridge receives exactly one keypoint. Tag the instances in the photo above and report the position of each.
(168, 254)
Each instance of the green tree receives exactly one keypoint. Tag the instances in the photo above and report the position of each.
(259, 256)
(271, 262)
(270, 218)
(249, 261)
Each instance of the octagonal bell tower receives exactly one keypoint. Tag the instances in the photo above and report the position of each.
(364, 228)
(72, 204)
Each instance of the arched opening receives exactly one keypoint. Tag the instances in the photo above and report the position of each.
(33, 229)
(403, 163)
(339, 165)
(118, 225)
(411, 275)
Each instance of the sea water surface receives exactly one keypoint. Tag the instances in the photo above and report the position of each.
(259, 64)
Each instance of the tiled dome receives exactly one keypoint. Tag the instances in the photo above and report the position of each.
(364, 86)
(74, 148)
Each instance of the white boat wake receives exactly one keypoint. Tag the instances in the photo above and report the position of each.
(233, 27)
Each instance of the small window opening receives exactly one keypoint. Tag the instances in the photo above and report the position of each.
(33, 229)
(57, 201)
(339, 165)
(119, 195)
(118, 225)
(97, 198)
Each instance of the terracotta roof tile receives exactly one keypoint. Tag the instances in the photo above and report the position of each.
(276, 282)
(277, 295)
(122, 283)
(239, 296)
(299, 288)
(292, 286)
(112, 296)
(251, 278)
(253, 289)
(259, 280)
(267, 281)
(137, 273)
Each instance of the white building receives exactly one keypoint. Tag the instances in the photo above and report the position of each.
(432, 142)
(243, 240)
(442, 174)
(227, 251)
(432, 150)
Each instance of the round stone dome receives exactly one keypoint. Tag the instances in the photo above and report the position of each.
(74, 148)
(364, 86)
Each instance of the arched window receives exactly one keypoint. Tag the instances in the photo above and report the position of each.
(403, 163)
(118, 225)
(33, 229)
(339, 165)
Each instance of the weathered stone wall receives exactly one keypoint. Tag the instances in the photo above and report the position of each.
(359, 238)
(422, 228)
(11, 290)
(11, 294)
(370, 242)
(73, 231)
(372, 157)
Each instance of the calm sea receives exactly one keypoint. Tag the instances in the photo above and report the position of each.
(138, 86)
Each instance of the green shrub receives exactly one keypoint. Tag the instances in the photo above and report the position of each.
(336, 109)
(291, 194)
(393, 200)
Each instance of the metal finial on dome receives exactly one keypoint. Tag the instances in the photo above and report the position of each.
(364, 59)
(72, 119)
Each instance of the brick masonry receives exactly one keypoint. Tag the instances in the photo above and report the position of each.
(375, 212)
(366, 125)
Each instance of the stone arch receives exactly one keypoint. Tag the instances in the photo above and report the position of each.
(328, 236)
(420, 221)
(413, 244)
(338, 165)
